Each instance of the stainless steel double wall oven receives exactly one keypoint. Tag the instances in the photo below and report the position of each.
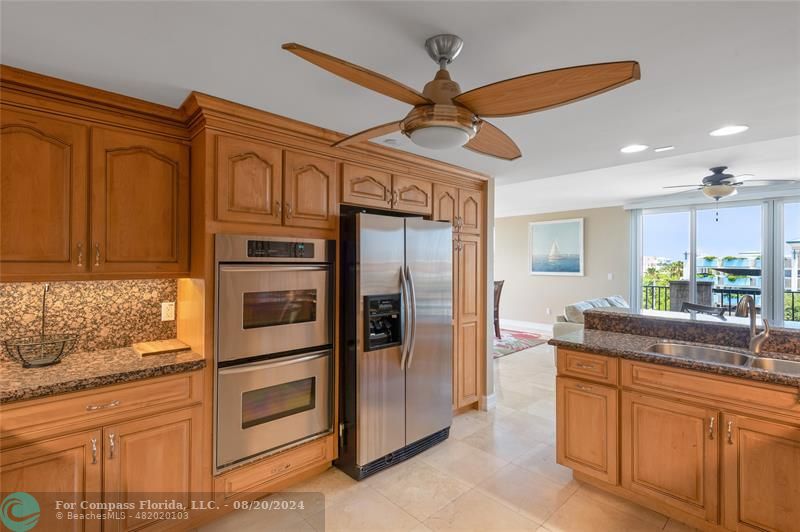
(274, 341)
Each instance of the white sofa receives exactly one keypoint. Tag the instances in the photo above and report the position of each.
(572, 319)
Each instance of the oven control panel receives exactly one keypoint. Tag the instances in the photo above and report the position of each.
(278, 249)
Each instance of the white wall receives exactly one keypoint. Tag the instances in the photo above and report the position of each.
(527, 297)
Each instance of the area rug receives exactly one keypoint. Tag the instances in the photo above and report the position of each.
(513, 341)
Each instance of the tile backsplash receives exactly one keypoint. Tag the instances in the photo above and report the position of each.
(106, 314)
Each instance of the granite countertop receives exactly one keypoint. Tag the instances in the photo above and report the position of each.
(634, 347)
(90, 369)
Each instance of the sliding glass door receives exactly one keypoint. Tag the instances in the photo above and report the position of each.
(707, 257)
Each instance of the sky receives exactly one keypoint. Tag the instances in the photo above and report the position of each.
(737, 231)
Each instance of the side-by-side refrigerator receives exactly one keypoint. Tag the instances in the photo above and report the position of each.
(396, 339)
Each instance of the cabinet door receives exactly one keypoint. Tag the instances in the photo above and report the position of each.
(456, 339)
(469, 324)
(586, 432)
(248, 181)
(365, 186)
(140, 204)
(670, 451)
(445, 203)
(309, 192)
(154, 458)
(760, 474)
(470, 211)
(43, 195)
(65, 469)
(412, 195)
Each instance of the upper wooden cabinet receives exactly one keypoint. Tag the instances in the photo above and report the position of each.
(761, 474)
(461, 207)
(43, 195)
(366, 186)
(249, 184)
(309, 191)
(140, 203)
(374, 188)
(670, 452)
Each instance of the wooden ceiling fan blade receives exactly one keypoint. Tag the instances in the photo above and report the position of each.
(490, 140)
(371, 133)
(358, 75)
(765, 182)
(545, 90)
(698, 187)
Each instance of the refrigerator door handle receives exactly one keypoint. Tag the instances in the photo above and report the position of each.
(413, 291)
(406, 321)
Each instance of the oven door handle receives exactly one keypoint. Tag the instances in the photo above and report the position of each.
(273, 363)
(406, 319)
(413, 291)
(273, 268)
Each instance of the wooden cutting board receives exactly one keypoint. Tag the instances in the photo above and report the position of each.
(157, 347)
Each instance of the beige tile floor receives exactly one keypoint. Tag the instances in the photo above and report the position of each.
(496, 472)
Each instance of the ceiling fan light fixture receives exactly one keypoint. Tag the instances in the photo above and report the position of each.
(717, 192)
(439, 137)
(729, 130)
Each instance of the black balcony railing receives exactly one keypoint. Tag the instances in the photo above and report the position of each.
(658, 298)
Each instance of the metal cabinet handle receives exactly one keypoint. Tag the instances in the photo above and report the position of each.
(581, 365)
(711, 427)
(279, 469)
(80, 253)
(94, 450)
(111, 445)
(112, 404)
(730, 432)
(584, 388)
(97, 253)
(396, 197)
(278, 208)
(288, 210)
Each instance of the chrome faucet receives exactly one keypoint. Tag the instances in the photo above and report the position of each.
(747, 307)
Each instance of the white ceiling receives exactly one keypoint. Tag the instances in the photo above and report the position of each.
(703, 65)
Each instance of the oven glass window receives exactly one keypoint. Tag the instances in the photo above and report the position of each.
(265, 309)
(274, 402)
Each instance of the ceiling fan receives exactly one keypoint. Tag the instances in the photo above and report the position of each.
(720, 185)
(444, 117)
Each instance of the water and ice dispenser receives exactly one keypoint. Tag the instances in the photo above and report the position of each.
(382, 322)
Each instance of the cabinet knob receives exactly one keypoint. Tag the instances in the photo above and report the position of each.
(288, 210)
(80, 253)
(97, 253)
(730, 432)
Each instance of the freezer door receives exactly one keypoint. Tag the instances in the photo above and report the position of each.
(380, 377)
(429, 373)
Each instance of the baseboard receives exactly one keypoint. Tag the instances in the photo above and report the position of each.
(527, 326)
(487, 402)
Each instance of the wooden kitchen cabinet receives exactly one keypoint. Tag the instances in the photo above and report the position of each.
(152, 458)
(412, 195)
(586, 428)
(67, 468)
(445, 203)
(374, 188)
(760, 474)
(309, 191)
(461, 207)
(140, 203)
(468, 308)
(670, 452)
(43, 195)
(249, 183)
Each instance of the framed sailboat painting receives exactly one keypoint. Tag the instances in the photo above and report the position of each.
(556, 247)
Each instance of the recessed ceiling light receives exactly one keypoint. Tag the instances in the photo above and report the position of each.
(729, 130)
(633, 148)
(664, 148)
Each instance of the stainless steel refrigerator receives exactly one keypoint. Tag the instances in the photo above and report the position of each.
(396, 339)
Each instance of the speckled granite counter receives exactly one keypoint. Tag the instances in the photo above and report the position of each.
(91, 369)
(634, 347)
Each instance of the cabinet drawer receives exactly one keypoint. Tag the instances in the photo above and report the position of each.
(95, 407)
(587, 366)
(257, 476)
(688, 383)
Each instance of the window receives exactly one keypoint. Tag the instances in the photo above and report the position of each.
(714, 255)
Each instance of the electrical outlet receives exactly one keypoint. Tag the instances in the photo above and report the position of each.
(168, 311)
(547, 311)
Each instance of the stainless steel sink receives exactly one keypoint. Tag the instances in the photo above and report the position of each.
(777, 365)
(705, 354)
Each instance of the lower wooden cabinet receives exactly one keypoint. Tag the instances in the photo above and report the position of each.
(67, 468)
(586, 428)
(760, 474)
(468, 311)
(670, 452)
